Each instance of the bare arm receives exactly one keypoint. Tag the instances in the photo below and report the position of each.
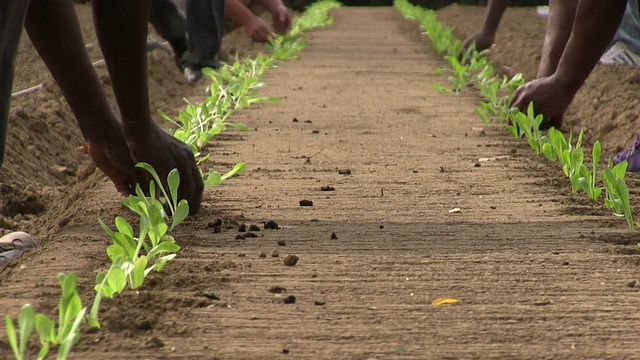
(495, 10)
(484, 38)
(595, 24)
(238, 12)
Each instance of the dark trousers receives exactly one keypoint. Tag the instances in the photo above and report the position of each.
(194, 28)
(12, 15)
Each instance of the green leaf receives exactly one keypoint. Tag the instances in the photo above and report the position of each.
(123, 226)
(182, 211)
(173, 180)
(44, 350)
(156, 232)
(213, 179)
(45, 328)
(137, 274)
(11, 335)
(164, 247)
(26, 322)
(237, 169)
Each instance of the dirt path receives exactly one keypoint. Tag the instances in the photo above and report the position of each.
(536, 270)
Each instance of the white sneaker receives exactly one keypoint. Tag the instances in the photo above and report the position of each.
(619, 54)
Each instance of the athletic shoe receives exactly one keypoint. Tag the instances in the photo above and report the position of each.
(619, 54)
(632, 155)
(18, 240)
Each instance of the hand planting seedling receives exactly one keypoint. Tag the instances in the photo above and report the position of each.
(553, 145)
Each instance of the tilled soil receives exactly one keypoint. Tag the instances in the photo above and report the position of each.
(426, 203)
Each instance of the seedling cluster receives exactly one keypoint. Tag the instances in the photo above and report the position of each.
(135, 254)
(470, 65)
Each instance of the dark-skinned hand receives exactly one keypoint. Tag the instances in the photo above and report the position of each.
(164, 153)
(550, 98)
(281, 20)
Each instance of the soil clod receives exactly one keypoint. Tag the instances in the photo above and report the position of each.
(271, 225)
(210, 296)
(305, 202)
(277, 289)
(263, 255)
(215, 225)
(275, 253)
(344, 171)
(242, 228)
(240, 237)
(254, 228)
(319, 303)
(281, 243)
(250, 235)
(334, 236)
(632, 283)
(327, 188)
(291, 260)
(289, 299)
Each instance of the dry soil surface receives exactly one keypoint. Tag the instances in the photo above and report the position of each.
(538, 272)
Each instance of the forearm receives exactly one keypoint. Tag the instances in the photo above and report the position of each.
(495, 10)
(237, 12)
(595, 24)
(121, 28)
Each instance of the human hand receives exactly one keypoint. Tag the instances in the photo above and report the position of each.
(482, 40)
(258, 29)
(111, 154)
(550, 97)
(281, 20)
(165, 153)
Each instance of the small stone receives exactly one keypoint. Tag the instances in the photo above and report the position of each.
(263, 255)
(334, 236)
(327, 188)
(289, 299)
(477, 165)
(565, 263)
(285, 351)
(492, 207)
(319, 303)
(254, 228)
(306, 203)
(281, 243)
(632, 283)
(315, 131)
(275, 253)
(381, 226)
(344, 171)
(250, 235)
(291, 260)
(242, 228)
(239, 237)
(295, 120)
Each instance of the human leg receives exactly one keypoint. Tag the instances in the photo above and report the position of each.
(12, 15)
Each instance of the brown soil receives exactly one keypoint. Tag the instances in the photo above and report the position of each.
(539, 272)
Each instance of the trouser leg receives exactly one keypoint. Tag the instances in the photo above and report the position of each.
(12, 15)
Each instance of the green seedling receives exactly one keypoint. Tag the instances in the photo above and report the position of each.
(617, 193)
(214, 178)
(588, 179)
(67, 334)
(26, 324)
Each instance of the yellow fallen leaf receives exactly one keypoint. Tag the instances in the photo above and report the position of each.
(444, 301)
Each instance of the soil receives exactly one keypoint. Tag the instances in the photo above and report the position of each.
(538, 272)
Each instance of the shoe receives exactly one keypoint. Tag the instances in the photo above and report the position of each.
(18, 240)
(619, 54)
(192, 75)
(8, 256)
(632, 155)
